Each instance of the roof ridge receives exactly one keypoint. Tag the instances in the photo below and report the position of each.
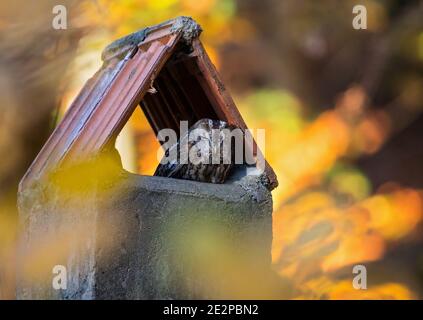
(187, 26)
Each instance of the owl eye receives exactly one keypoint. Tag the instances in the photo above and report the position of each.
(199, 154)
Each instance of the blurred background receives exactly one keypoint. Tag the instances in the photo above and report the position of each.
(342, 109)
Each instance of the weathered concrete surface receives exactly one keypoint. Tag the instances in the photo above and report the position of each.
(154, 238)
(183, 239)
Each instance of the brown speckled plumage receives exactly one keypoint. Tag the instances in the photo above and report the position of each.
(203, 144)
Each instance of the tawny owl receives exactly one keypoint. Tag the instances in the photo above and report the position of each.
(205, 146)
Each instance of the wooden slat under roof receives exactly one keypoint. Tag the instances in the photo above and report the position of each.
(171, 56)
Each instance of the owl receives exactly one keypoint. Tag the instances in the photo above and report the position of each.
(208, 157)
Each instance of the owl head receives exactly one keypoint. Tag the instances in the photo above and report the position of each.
(213, 142)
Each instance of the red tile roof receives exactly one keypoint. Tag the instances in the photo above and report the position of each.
(189, 88)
